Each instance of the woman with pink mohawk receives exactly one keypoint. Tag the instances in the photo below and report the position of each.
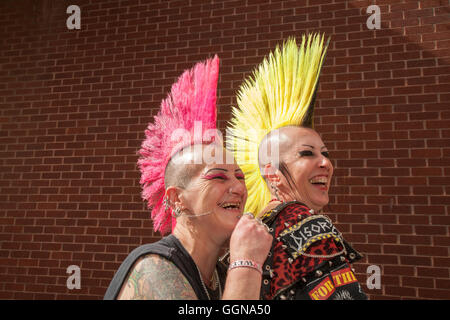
(197, 192)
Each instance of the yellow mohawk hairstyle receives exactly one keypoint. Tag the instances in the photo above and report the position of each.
(280, 93)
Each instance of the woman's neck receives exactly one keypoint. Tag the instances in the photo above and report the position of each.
(202, 249)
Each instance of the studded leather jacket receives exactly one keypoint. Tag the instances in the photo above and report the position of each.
(309, 258)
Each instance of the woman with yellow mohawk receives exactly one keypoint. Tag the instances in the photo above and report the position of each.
(288, 174)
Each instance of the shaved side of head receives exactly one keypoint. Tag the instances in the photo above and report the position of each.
(183, 166)
(276, 144)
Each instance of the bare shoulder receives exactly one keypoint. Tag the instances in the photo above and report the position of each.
(155, 278)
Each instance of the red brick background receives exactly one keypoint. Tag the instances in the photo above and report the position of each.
(74, 105)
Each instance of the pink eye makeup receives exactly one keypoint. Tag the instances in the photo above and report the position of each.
(212, 176)
(240, 176)
(222, 174)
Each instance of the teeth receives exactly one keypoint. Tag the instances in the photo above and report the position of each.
(319, 180)
(229, 204)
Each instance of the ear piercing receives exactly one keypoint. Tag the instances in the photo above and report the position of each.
(275, 189)
(176, 213)
(166, 203)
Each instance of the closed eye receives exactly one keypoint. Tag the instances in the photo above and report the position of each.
(215, 176)
(306, 153)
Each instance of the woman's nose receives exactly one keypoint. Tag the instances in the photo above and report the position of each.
(237, 188)
(325, 163)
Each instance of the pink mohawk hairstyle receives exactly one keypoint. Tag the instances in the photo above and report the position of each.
(191, 100)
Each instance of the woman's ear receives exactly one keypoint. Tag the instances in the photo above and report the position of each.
(173, 195)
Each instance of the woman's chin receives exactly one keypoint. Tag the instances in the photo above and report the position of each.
(319, 203)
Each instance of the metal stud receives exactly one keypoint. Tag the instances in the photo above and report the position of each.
(311, 211)
(319, 273)
(292, 291)
(352, 256)
(342, 258)
(286, 224)
(283, 297)
(284, 246)
(304, 279)
(267, 267)
(290, 260)
(266, 282)
(330, 263)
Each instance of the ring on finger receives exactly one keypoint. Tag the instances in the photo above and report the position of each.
(249, 214)
(262, 223)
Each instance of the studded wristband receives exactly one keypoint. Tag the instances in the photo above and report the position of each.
(245, 264)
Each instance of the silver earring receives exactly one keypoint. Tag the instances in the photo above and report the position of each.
(275, 189)
(176, 213)
(166, 204)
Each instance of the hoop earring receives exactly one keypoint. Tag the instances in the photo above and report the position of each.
(176, 213)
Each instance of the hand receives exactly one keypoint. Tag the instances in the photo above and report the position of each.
(250, 240)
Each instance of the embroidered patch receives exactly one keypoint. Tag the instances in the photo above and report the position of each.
(337, 284)
(343, 277)
(323, 290)
(301, 235)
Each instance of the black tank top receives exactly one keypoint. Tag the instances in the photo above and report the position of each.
(170, 248)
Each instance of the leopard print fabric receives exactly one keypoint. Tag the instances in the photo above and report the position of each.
(285, 273)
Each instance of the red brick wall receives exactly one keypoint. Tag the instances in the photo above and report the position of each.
(74, 105)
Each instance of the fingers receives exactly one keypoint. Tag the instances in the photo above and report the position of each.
(251, 239)
(263, 224)
(250, 216)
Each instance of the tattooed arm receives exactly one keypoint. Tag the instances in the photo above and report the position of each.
(156, 278)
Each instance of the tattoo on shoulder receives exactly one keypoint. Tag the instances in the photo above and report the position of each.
(156, 278)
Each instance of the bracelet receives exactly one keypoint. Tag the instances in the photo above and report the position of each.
(245, 264)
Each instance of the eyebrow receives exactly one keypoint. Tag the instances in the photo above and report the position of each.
(307, 145)
(221, 169)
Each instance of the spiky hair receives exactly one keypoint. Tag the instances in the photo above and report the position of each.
(281, 92)
(192, 101)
